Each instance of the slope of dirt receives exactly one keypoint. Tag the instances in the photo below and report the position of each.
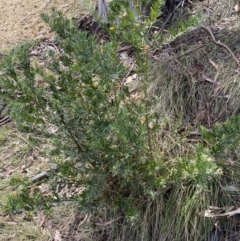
(20, 20)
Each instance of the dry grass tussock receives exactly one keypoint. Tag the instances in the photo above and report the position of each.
(196, 76)
(195, 79)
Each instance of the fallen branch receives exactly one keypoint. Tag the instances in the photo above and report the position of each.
(204, 77)
(44, 174)
(209, 214)
(5, 120)
(40, 176)
(221, 44)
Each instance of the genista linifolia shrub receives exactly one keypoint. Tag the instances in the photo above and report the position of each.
(77, 102)
(74, 101)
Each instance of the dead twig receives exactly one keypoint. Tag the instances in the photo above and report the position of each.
(221, 44)
(84, 220)
(204, 77)
(44, 174)
(5, 120)
(40, 176)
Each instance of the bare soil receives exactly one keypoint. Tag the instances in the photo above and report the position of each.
(20, 19)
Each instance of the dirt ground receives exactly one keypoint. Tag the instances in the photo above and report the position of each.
(20, 20)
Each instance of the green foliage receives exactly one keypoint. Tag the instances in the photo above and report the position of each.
(25, 198)
(99, 134)
(224, 139)
(77, 102)
(182, 26)
(199, 169)
(128, 25)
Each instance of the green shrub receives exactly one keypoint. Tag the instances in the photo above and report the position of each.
(78, 103)
(224, 139)
(103, 140)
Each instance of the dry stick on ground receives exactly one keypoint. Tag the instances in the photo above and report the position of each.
(5, 120)
(40, 176)
(221, 44)
(44, 174)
